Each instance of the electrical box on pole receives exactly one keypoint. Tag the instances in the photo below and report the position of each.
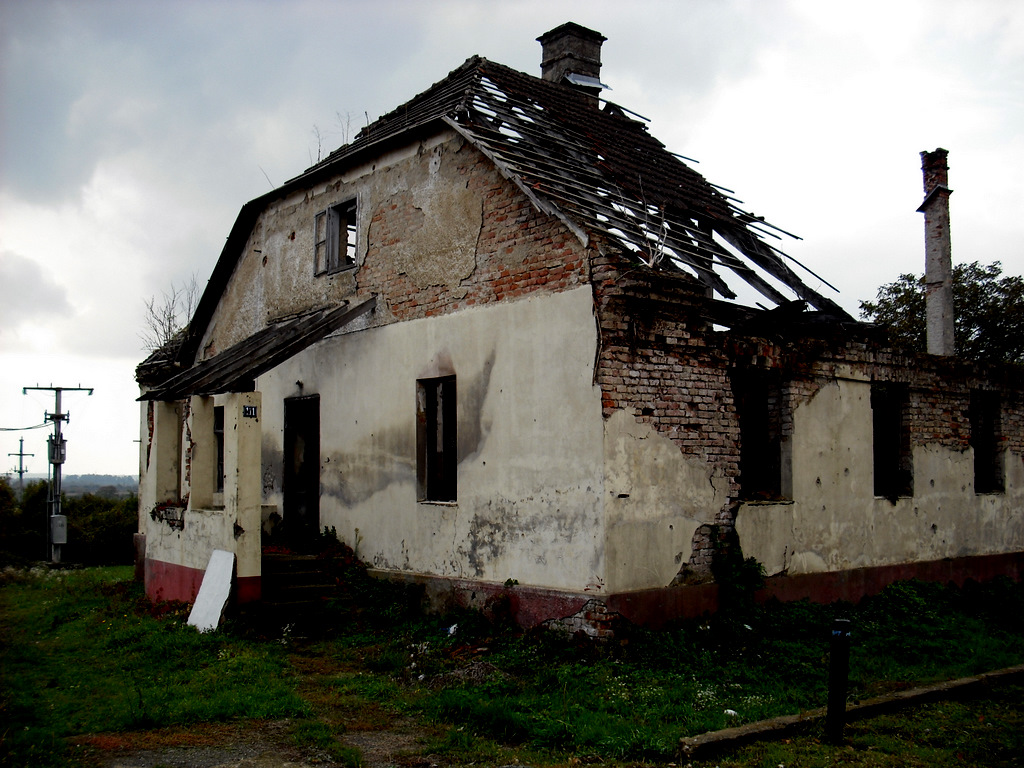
(58, 529)
(58, 450)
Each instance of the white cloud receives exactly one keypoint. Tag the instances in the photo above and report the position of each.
(133, 134)
(29, 297)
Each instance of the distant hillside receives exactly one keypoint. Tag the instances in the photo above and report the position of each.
(110, 486)
(96, 481)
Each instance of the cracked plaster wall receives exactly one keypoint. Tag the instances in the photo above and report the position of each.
(655, 498)
(835, 522)
(233, 525)
(274, 276)
(530, 441)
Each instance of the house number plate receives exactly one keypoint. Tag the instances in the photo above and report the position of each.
(249, 411)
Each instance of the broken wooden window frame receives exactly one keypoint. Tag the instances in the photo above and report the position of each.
(985, 413)
(436, 440)
(892, 459)
(334, 238)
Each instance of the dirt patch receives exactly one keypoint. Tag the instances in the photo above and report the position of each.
(388, 748)
(252, 744)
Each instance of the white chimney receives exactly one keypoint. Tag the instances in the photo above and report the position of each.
(938, 273)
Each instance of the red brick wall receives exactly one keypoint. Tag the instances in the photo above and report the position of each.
(554, 260)
(655, 359)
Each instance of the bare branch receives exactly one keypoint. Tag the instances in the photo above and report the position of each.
(169, 314)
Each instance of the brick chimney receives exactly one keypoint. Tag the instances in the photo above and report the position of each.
(938, 273)
(571, 54)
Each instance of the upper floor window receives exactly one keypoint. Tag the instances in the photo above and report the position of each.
(986, 440)
(334, 241)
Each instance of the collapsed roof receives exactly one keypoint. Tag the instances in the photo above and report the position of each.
(598, 170)
(601, 171)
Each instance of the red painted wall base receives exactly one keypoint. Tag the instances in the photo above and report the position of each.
(167, 581)
(855, 584)
(531, 606)
(655, 608)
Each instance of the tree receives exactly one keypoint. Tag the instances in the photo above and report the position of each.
(23, 523)
(164, 318)
(989, 307)
(100, 529)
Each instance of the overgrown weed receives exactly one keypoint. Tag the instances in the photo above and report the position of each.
(634, 699)
(487, 693)
(82, 653)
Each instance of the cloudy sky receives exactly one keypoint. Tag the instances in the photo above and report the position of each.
(132, 132)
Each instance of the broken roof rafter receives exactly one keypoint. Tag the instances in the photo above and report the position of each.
(542, 205)
(552, 157)
(236, 368)
(583, 206)
(638, 214)
(556, 132)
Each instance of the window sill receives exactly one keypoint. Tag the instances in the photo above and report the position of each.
(433, 503)
(338, 271)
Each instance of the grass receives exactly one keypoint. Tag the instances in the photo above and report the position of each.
(987, 732)
(84, 652)
(634, 702)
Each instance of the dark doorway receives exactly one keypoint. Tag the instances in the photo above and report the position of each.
(301, 480)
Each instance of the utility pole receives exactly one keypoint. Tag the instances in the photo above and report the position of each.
(58, 453)
(21, 465)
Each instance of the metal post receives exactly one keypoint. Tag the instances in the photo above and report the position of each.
(21, 466)
(838, 680)
(57, 459)
(57, 528)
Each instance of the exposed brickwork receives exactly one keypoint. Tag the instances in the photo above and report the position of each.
(655, 360)
(520, 250)
(661, 360)
(659, 357)
(594, 620)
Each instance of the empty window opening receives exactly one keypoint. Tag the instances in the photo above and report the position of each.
(436, 439)
(893, 465)
(759, 404)
(218, 436)
(986, 440)
(335, 238)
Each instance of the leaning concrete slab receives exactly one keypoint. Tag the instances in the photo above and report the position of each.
(714, 742)
(214, 592)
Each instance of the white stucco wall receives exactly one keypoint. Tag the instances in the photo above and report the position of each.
(655, 498)
(530, 441)
(159, 456)
(835, 522)
(235, 526)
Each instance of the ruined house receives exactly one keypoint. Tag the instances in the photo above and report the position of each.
(495, 345)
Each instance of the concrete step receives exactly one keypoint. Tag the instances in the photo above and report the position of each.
(296, 580)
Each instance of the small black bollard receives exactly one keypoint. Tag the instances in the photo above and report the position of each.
(838, 679)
